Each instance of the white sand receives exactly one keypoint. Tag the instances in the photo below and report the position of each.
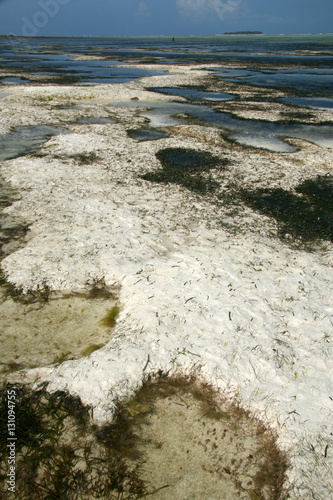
(241, 310)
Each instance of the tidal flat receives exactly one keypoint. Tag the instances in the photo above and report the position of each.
(218, 255)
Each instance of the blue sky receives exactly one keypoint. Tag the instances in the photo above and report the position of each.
(163, 17)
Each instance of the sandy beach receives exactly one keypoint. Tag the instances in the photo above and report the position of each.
(205, 285)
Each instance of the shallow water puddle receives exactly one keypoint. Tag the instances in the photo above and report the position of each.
(14, 79)
(95, 120)
(193, 446)
(194, 94)
(119, 74)
(146, 135)
(254, 133)
(324, 103)
(70, 106)
(61, 63)
(172, 440)
(230, 73)
(24, 140)
(302, 79)
(43, 333)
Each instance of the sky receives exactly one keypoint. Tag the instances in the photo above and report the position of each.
(163, 17)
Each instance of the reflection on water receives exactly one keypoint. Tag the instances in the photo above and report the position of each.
(195, 95)
(116, 74)
(259, 134)
(86, 71)
(324, 103)
(63, 63)
(14, 79)
(25, 139)
(146, 134)
(305, 80)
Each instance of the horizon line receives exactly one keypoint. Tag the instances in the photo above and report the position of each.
(11, 35)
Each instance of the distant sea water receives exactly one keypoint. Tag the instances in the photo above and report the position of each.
(305, 61)
(302, 65)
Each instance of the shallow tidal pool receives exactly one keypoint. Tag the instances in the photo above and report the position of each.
(43, 333)
(254, 133)
(174, 439)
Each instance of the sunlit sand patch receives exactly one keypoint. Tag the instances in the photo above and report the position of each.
(43, 333)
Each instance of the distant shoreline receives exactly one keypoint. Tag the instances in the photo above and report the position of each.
(243, 33)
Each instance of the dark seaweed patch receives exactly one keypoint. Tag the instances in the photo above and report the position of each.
(57, 454)
(292, 116)
(305, 214)
(86, 158)
(12, 230)
(99, 290)
(62, 79)
(188, 168)
(41, 294)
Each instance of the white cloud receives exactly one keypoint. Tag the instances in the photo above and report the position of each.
(143, 10)
(219, 7)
